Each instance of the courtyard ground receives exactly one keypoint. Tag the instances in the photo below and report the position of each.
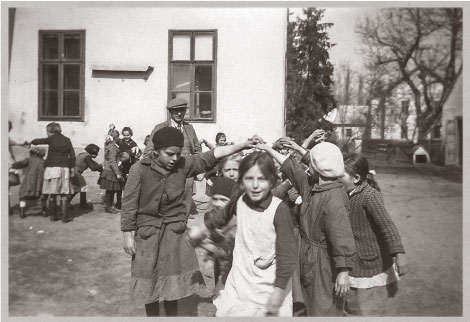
(80, 268)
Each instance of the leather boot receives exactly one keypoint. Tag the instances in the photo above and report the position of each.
(53, 210)
(83, 204)
(64, 204)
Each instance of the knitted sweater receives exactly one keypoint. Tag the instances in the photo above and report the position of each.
(375, 234)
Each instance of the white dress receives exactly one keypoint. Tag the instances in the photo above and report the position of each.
(250, 282)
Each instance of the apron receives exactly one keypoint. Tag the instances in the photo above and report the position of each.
(250, 282)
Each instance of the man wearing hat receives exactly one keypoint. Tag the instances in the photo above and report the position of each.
(177, 109)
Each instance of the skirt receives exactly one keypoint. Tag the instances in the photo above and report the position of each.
(57, 181)
(109, 181)
(165, 266)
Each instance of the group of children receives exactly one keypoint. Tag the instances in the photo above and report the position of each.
(60, 175)
(347, 262)
(348, 259)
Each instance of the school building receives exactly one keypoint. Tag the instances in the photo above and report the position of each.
(88, 67)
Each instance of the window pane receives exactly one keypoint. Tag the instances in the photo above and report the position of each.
(203, 78)
(72, 46)
(50, 104)
(181, 47)
(50, 46)
(203, 46)
(181, 78)
(50, 76)
(72, 103)
(72, 76)
(203, 105)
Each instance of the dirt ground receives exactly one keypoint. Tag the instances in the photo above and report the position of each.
(80, 268)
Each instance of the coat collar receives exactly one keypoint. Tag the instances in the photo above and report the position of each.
(358, 189)
(155, 165)
(327, 186)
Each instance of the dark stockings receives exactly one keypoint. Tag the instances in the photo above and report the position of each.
(153, 309)
(109, 198)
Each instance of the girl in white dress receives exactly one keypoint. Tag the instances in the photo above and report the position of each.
(265, 252)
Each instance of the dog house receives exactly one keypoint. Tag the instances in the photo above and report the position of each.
(420, 155)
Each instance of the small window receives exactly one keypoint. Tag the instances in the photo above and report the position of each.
(192, 69)
(348, 133)
(61, 75)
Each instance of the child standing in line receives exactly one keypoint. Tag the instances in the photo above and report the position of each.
(373, 278)
(153, 220)
(327, 243)
(265, 253)
(59, 168)
(127, 145)
(85, 161)
(110, 178)
(31, 186)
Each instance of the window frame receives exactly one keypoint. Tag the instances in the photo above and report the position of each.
(192, 67)
(61, 62)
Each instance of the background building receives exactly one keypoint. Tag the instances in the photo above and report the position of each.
(89, 67)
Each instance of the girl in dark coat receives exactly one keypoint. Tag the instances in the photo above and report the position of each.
(111, 177)
(327, 242)
(380, 254)
(31, 186)
(127, 145)
(59, 168)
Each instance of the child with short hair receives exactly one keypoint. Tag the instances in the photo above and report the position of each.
(380, 253)
(85, 161)
(31, 186)
(327, 243)
(59, 168)
(265, 253)
(110, 178)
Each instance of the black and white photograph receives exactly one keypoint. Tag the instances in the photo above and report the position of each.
(237, 159)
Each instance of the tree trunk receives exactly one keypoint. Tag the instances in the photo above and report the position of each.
(382, 104)
(368, 128)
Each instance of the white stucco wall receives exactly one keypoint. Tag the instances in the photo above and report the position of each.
(250, 69)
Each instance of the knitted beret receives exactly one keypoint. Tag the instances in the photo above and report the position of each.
(167, 136)
(327, 160)
(177, 103)
(223, 186)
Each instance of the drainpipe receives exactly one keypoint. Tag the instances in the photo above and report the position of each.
(11, 25)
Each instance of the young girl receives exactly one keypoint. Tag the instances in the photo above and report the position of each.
(373, 278)
(153, 220)
(127, 145)
(110, 178)
(85, 161)
(264, 256)
(31, 186)
(327, 243)
(59, 168)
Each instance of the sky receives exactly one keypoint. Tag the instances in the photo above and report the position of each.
(342, 33)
